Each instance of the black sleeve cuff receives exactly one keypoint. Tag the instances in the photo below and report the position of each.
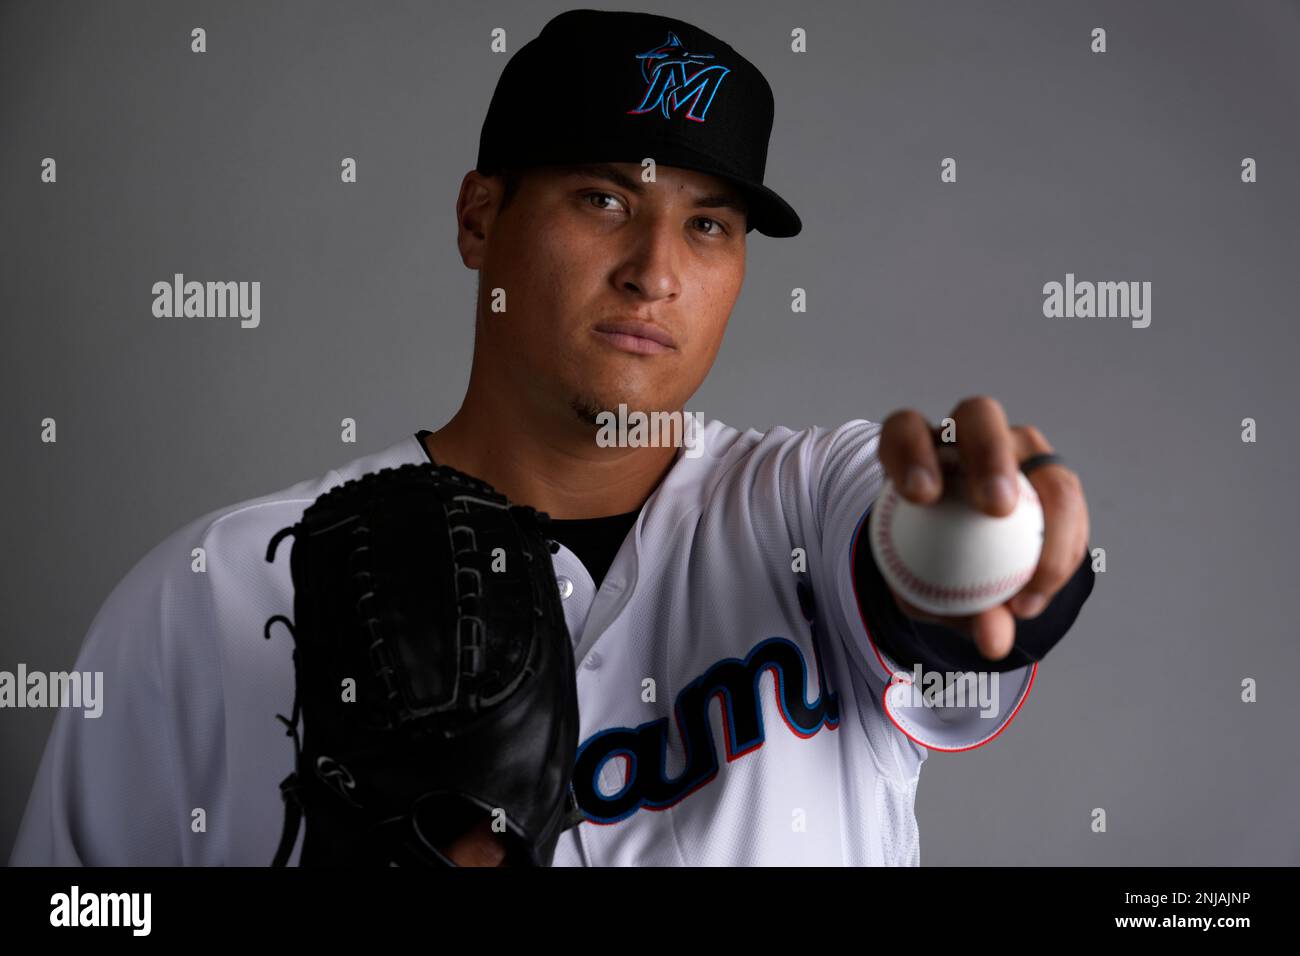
(935, 647)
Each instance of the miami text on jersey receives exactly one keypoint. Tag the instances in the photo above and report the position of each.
(645, 747)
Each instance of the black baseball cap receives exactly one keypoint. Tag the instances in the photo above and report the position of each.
(613, 86)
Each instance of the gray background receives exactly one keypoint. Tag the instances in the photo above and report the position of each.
(1114, 167)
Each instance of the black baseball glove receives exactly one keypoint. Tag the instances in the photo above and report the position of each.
(435, 674)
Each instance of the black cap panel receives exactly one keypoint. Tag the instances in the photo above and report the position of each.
(607, 86)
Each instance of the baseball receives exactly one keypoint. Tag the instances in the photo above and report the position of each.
(951, 559)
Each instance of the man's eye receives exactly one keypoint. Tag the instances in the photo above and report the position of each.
(599, 196)
(721, 230)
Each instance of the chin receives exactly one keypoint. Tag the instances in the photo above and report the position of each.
(587, 406)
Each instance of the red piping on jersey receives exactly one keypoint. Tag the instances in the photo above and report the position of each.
(853, 554)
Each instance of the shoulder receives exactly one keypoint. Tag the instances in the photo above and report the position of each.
(722, 439)
(221, 556)
(245, 523)
(797, 452)
(777, 474)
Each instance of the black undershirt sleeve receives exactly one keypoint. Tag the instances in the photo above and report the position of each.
(935, 647)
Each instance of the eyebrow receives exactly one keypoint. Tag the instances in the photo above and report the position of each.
(611, 173)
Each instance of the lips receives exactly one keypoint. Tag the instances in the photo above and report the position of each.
(634, 336)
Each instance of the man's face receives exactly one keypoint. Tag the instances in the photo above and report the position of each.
(583, 255)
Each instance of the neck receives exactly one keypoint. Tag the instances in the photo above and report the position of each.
(551, 462)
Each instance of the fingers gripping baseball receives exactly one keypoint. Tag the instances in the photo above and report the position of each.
(964, 538)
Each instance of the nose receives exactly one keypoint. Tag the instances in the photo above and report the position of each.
(652, 265)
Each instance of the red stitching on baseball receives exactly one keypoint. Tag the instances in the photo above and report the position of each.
(926, 588)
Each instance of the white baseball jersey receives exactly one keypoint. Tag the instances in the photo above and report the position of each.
(718, 726)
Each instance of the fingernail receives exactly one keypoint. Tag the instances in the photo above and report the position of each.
(919, 481)
(998, 492)
(1031, 604)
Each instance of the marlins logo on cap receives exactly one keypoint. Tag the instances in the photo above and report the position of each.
(667, 81)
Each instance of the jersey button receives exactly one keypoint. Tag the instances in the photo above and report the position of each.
(566, 587)
(592, 662)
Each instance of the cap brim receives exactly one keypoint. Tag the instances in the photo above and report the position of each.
(769, 213)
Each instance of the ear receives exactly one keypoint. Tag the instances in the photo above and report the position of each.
(476, 209)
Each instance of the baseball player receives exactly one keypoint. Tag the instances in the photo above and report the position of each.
(735, 644)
